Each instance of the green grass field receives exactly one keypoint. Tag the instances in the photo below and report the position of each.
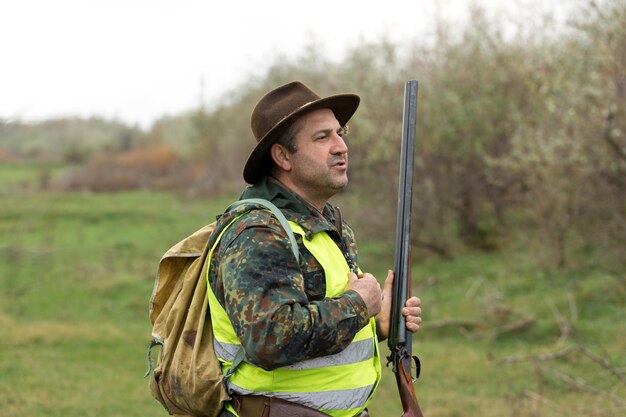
(77, 269)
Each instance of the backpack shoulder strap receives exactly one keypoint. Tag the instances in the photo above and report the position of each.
(239, 357)
(278, 214)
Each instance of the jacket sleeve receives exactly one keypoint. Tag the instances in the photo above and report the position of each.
(264, 297)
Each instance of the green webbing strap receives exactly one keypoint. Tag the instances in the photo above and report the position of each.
(279, 215)
(239, 356)
(238, 359)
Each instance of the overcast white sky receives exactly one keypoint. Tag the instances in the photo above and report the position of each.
(137, 60)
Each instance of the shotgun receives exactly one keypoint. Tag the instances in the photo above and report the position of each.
(400, 341)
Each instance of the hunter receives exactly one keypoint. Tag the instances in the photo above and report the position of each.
(309, 327)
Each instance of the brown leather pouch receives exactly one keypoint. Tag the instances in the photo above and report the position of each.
(261, 406)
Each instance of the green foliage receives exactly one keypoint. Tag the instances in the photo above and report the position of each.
(68, 140)
(521, 135)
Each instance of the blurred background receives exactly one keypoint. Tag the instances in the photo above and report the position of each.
(124, 127)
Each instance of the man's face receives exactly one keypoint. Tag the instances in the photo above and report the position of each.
(320, 163)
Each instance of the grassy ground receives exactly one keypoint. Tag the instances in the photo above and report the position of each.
(76, 273)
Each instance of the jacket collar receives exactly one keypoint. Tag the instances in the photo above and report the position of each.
(293, 206)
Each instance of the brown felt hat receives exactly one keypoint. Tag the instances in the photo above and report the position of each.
(278, 109)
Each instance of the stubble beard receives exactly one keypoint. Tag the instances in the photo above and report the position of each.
(320, 182)
(337, 178)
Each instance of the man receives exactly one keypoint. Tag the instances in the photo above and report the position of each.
(309, 327)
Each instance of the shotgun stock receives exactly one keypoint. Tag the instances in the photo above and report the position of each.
(400, 341)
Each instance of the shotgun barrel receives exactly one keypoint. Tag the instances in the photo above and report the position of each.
(400, 341)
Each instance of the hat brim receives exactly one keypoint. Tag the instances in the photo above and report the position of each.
(343, 106)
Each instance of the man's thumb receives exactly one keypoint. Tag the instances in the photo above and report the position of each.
(387, 289)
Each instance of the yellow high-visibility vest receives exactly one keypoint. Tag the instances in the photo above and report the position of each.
(340, 385)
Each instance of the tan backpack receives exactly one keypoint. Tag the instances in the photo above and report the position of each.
(188, 379)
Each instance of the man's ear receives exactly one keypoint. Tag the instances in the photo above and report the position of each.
(281, 156)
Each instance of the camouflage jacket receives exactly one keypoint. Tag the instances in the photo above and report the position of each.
(277, 305)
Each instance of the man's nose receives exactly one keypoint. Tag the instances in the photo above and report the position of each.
(339, 145)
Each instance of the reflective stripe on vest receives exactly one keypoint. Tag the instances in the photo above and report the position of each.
(339, 384)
